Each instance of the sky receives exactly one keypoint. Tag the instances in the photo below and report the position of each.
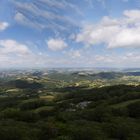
(69, 33)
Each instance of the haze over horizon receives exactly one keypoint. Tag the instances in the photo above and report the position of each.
(70, 33)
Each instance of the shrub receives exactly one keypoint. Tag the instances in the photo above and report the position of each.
(134, 109)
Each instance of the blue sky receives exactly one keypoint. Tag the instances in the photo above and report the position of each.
(70, 33)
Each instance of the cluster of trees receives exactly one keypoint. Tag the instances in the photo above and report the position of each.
(112, 113)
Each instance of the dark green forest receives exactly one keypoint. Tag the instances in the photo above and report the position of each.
(75, 113)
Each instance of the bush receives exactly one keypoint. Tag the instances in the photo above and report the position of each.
(85, 132)
(10, 113)
(122, 129)
(18, 115)
(28, 116)
(134, 109)
(99, 114)
(48, 131)
(13, 130)
(32, 104)
(23, 84)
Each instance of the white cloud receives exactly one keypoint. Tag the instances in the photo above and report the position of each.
(132, 17)
(64, 4)
(33, 11)
(56, 44)
(21, 19)
(3, 25)
(122, 32)
(15, 54)
(13, 47)
(74, 54)
(126, 38)
(125, 59)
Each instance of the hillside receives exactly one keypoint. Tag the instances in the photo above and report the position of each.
(71, 113)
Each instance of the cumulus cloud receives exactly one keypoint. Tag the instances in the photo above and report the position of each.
(19, 17)
(3, 25)
(13, 47)
(16, 54)
(56, 44)
(74, 53)
(122, 32)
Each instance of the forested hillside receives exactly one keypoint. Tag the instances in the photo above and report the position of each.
(74, 113)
